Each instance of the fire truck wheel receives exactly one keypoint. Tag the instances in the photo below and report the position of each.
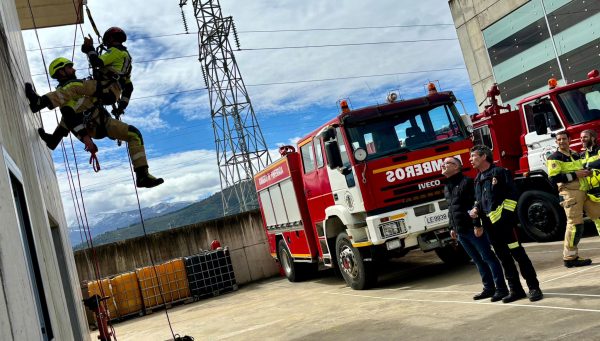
(357, 273)
(541, 216)
(295, 272)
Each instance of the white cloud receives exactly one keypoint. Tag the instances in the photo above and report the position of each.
(286, 111)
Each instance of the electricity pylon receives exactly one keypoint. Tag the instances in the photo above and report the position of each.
(240, 145)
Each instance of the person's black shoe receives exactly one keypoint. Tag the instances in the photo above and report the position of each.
(51, 140)
(498, 295)
(484, 294)
(577, 262)
(535, 295)
(514, 296)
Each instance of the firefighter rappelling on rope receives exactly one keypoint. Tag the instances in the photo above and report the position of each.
(82, 101)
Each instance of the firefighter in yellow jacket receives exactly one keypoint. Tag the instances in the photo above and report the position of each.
(86, 119)
(112, 73)
(590, 154)
(566, 170)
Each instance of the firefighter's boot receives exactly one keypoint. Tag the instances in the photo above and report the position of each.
(535, 294)
(51, 140)
(36, 102)
(514, 296)
(516, 292)
(577, 262)
(145, 179)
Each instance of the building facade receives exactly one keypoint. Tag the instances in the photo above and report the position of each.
(40, 297)
(520, 44)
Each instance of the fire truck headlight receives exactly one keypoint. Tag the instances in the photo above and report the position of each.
(392, 228)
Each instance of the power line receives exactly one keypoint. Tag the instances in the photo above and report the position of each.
(306, 81)
(267, 31)
(298, 47)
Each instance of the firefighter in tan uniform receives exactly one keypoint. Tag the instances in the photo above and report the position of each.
(86, 119)
(112, 73)
(566, 170)
(590, 155)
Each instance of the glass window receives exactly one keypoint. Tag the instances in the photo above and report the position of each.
(308, 158)
(581, 105)
(405, 131)
(542, 106)
(319, 152)
(343, 151)
(482, 135)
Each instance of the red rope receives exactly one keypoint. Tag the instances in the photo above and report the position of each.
(94, 162)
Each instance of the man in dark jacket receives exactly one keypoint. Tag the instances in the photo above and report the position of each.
(495, 197)
(460, 195)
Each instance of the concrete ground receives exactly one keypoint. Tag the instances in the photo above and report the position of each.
(417, 298)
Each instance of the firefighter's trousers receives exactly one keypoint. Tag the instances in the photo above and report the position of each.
(108, 92)
(503, 238)
(575, 202)
(102, 125)
(597, 223)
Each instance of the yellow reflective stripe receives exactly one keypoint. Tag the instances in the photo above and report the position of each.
(495, 214)
(362, 244)
(572, 237)
(513, 245)
(301, 255)
(134, 137)
(510, 205)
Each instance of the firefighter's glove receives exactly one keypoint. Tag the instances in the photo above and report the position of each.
(117, 112)
(88, 45)
(90, 146)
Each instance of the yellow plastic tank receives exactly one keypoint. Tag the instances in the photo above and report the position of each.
(94, 289)
(149, 287)
(173, 283)
(126, 292)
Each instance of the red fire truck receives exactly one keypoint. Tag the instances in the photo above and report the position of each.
(364, 186)
(522, 139)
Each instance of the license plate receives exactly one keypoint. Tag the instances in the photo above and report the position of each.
(437, 219)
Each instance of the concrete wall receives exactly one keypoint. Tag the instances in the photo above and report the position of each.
(242, 233)
(470, 18)
(23, 155)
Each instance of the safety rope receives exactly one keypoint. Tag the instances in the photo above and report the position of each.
(148, 249)
(83, 216)
(93, 23)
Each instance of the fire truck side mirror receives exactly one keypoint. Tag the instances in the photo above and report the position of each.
(539, 121)
(334, 157)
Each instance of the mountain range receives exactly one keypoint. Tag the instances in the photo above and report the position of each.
(112, 227)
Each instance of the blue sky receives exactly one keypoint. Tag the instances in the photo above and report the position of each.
(177, 128)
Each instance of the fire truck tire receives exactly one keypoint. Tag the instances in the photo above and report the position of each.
(541, 216)
(453, 255)
(357, 273)
(294, 271)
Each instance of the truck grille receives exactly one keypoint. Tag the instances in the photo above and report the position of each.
(408, 193)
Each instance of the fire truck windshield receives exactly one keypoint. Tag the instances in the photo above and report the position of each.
(406, 131)
(582, 104)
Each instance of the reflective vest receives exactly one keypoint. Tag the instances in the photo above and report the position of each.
(588, 156)
(561, 168)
